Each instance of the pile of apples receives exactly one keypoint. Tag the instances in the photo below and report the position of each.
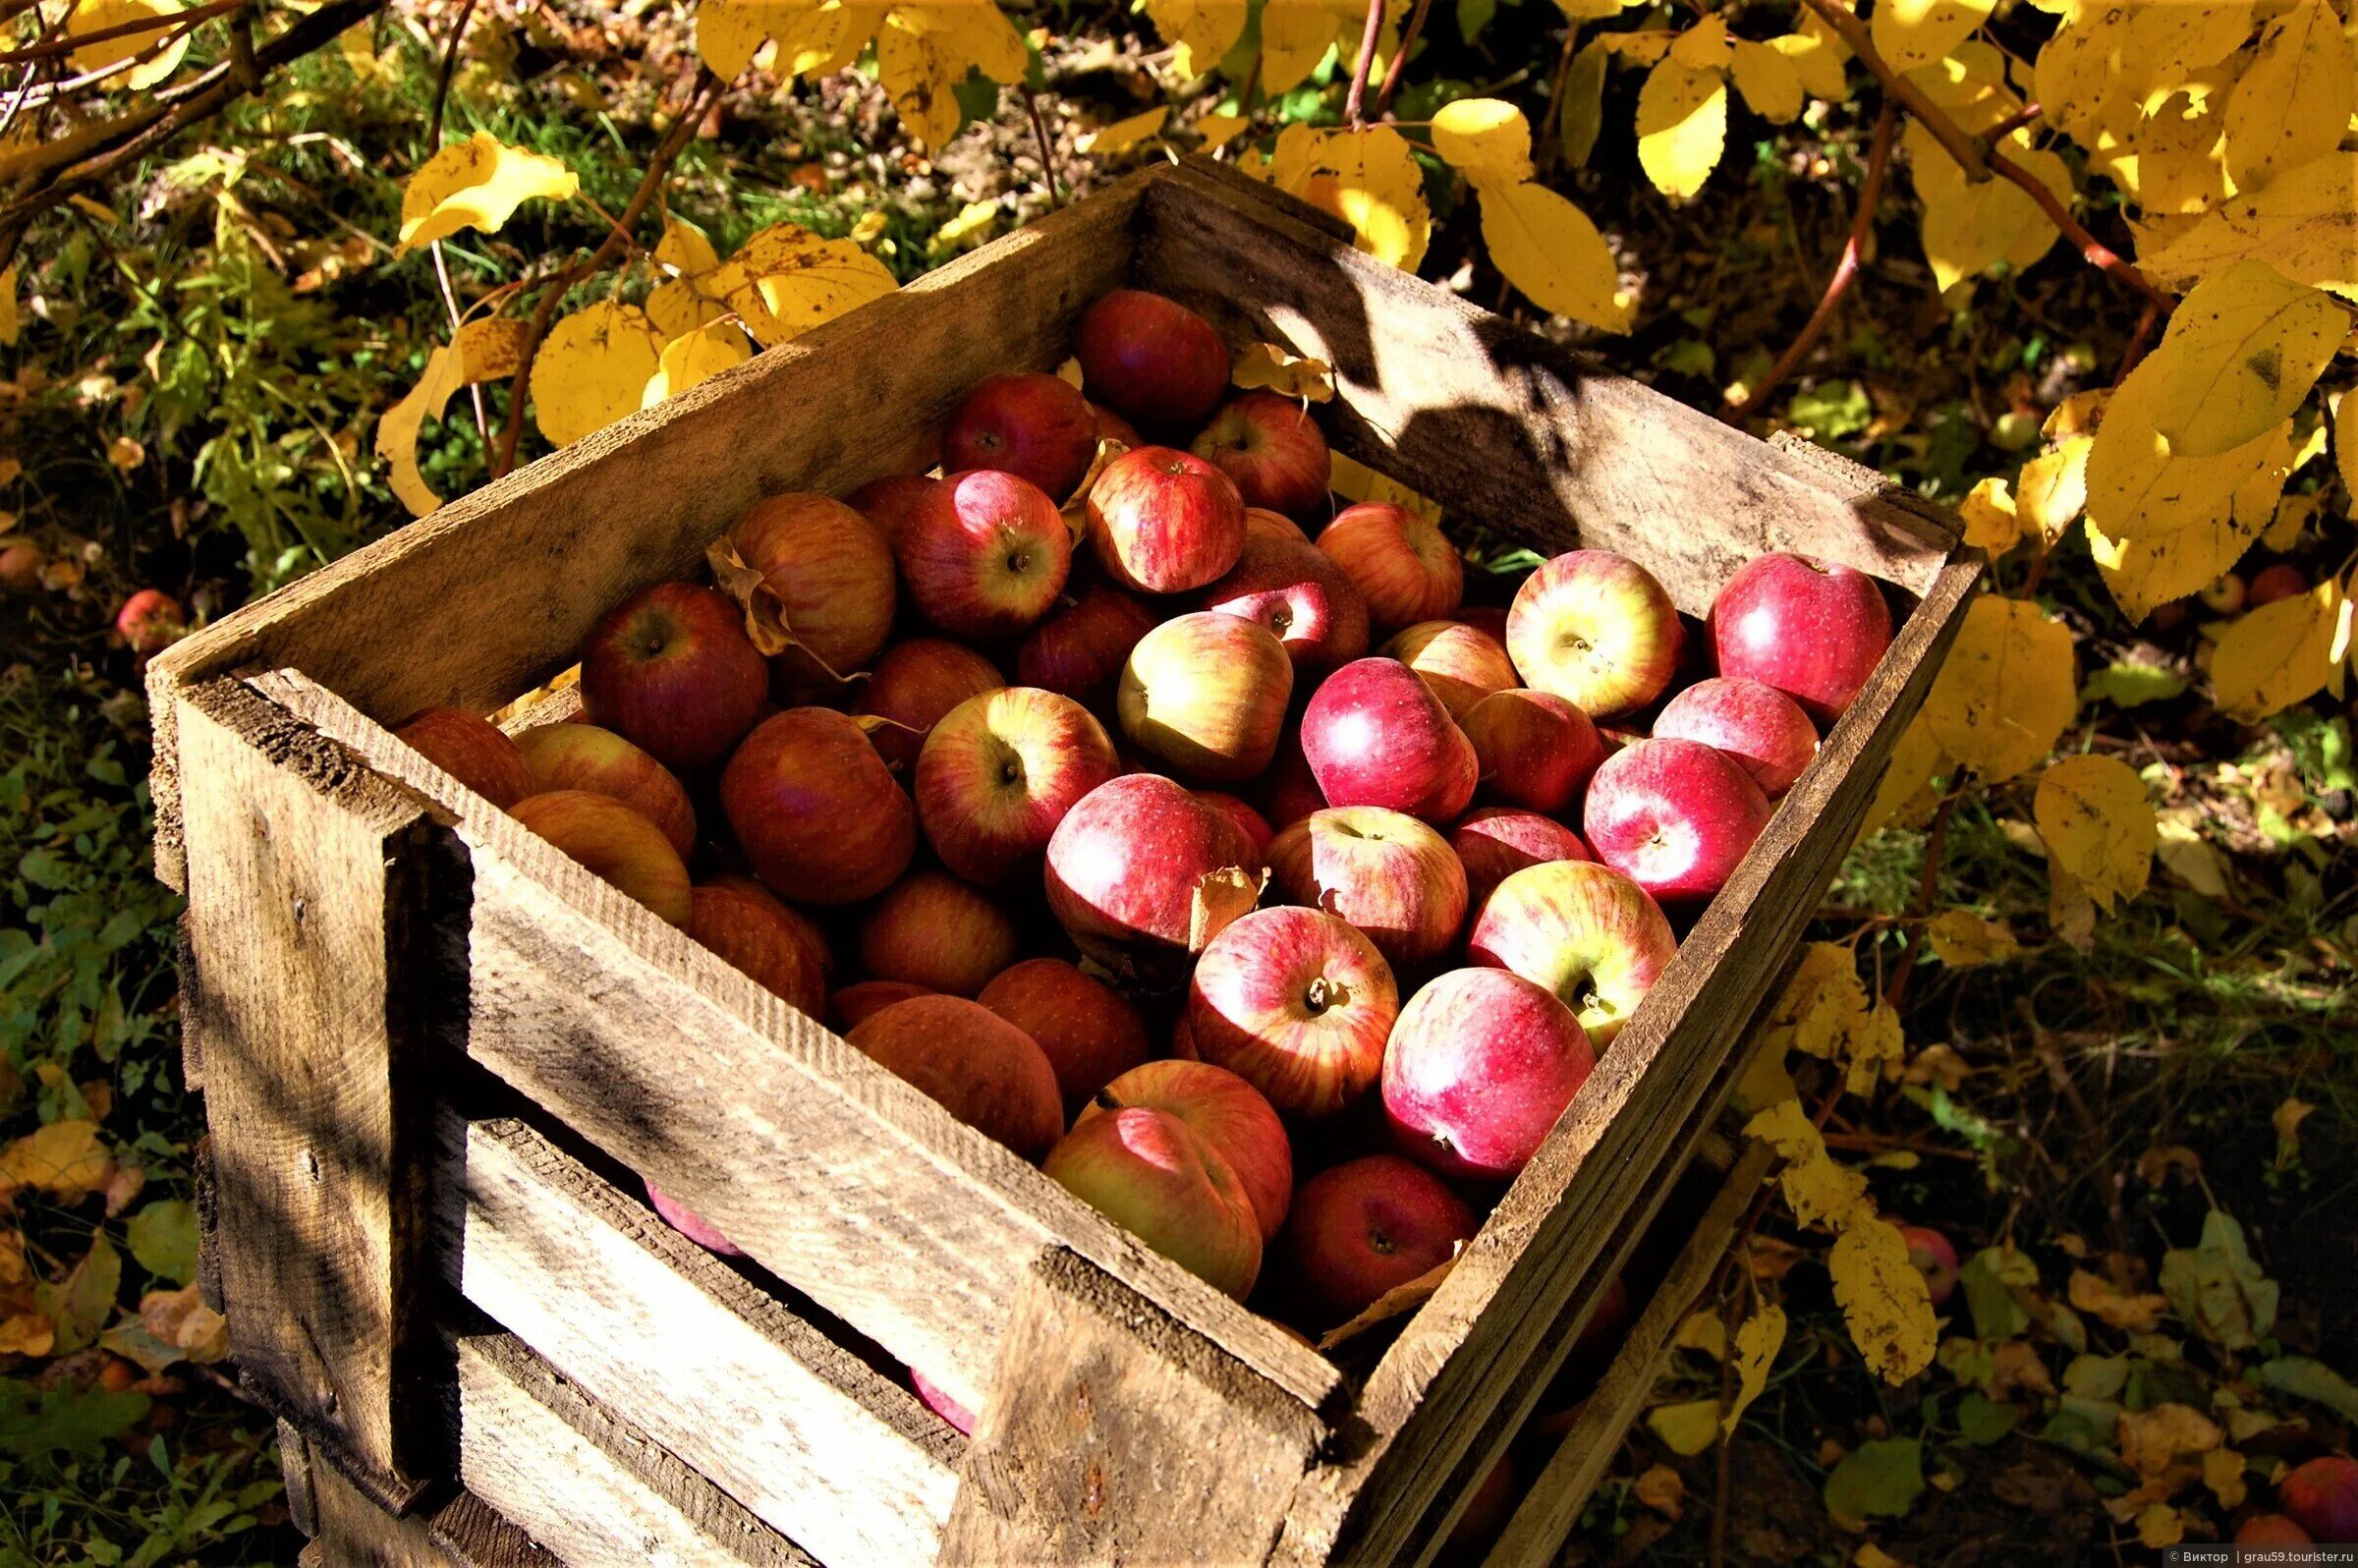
(1189, 835)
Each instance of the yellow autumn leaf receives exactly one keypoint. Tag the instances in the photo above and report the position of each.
(1756, 1344)
(785, 280)
(9, 326)
(2175, 162)
(684, 301)
(1965, 940)
(2304, 224)
(1645, 46)
(1219, 130)
(591, 370)
(1295, 35)
(686, 248)
(2222, 1475)
(730, 32)
(1594, 10)
(2009, 686)
(1819, 1191)
(1354, 481)
(1123, 135)
(2293, 101)
(67, 1159)
(973, 224)
(2281, 653)
(1682, 126)
(1547, 247)
(487, 349)
(1768, 80)
(2152, 1439)
(2346, 421)
(1989, 514)
(1702, 1333)
(2097, 1296)
(1969, 85)
(476, 184)
(1818, 61)
(814, 37)
(1705, 46)
(1909, 33)
(1884, 1300)
(1686, 1428)
(2055, 488)
(1915, 760)
(694, 357)
(1971, 227)
(2241, 353)
(924, 52)
(102, 16)
(1199, 31)
(2097, 824)
(1267, 367)
(1487, 139)
(1367, 178)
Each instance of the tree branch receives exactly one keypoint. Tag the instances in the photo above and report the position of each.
(52, 47)
(1368, 37)
(1392, 75)
(1971, 156)
(2093, 251)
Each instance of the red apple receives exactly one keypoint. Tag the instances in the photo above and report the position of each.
(1376, 735)
(1494, 842)
(1294, 589)
(616, 844)
(1535, 749)
(1597, 630)
(1183, 1041)
(1488, 619)
(981, 1069)
(888, 502)
(934, 930)
(1402, 564)
(476, 751)
(1391, 876)
(1487, 1512)
(1262, 524)
(855, 1004)
(913, 685)
(1164, 521)
(1026, 423)
(2272, 1529)
(930, 1395)
(1674, 817)
(1480, 1065)
(1289, 790)
(1271, 446)
(1091, 1035)
(831, 572)
(997, 774)
(1297, 1003)
(747, 926)
(1205, 694)
(1368, 1226)
(1584, 931)
(816, 810)
(684, 1220)
(2282, 580)
(1080, 651)
(672, 669)
(1151, 1174)
(150, 621)
(1111, 427)
(582, 756)
(1934, 1259)
(1761, 727)
(2322, 1496)
(1812, 629)
(1256, 826)
(984, 555)
(1142, 876)
(1151, 359)
(1229, 1114)
(1461, 664)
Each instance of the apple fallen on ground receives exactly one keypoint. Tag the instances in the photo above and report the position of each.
(979, 1067)
(149, 621)
(1000, 772)
(831, 572)
(615, 844)
(583, 756)
(1392, 878)
(1934, 1259)
(476, 751)
(1480, 1065)
(1674, 817)
(1296, 1002)
(818, 814)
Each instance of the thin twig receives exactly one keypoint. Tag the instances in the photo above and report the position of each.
(2139, 341)
(2028, 114)
(1552, 130)
(1927, 888)
(50, 48)
(1392, 75)
(1047, 149)
(450, 65)
(1971, 156)
(1368, 37)
(1862, 227)
(2093, 251)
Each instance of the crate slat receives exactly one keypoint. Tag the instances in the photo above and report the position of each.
(352, 1531)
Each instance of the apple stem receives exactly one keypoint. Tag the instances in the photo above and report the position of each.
(1316, 998)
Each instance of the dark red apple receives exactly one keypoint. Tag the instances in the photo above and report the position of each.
(1164, 520)
(981, 1069)
(984, 554)
(754, 931)
(888, 501)
(1535, 749)
(855, 1004)
(932, 929)
(1376, 735)
(1295, 589)
(2272, 1529)
(1674, 816)
(999, 773)
(1271, 446)
(1256, 826)
(913, 685)
(1026, 423)
(672, 669)
(1480, 1065)
(2282, 580)
(1151, 359)
(615, 844)
(1390, 875)
(1143, 876)
(1229, 1114)
(1111, 427)
(1289, 790)
(582, 756)
(817, 813)
(830, 572)
(1080, 649)
(1761, 727)
(1494, 842)
(1402, 564)
(1365, 1227)
(2322, 1496)
(150, 621)
(1296, 1002)
(1814, 630)
(1091, 1036)
(476, 751)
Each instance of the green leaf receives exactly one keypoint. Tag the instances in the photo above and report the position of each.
(2216, 1287)
(2086, 1426)
(163, 1238)
(1876, 1479)
(1472, 16)
(2132, 685)
(35, 1422)
(1830, 411)
(2096, 1376)
(2311, 1381)
(1982, 1421)
(80, 1304)
(977, 98)
(1989, 1297)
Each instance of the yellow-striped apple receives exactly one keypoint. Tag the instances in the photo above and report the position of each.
(1151, 359)
(1206, 693)
(583, 756)
(981, 1069)
(817, 812)
(1297, 1003)
(1154, 1176)
(1402, 564)
(1535, 749)
(913, 685)
(1367, 1226)
(984, 554)
(1142, 876)
(998, 773)
(1674, 816)
(1023, 423)
(1162, 521)
(831, 571)
(1090, 1034)
(1227, 1113)
(1480, 1065)
(1460, 663)
(1376, 735)
(672, 669)
(1391, 876)
(1273, 449)
(1597, 630)
(1815, 630)
(616, 845)
(932, 929)
(1584, 931)
(473, 750)
(1761, 727)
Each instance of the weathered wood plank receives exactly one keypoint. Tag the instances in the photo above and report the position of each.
(1511, 430)
(352, 1531)
(1115, 1435)
(803, 1433)
(315, 888)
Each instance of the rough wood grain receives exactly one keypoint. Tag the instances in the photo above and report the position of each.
(807, 1436)
(1553, 1503)
(352, 1531)
(313, 891)
(1115, 1435)
(1509, 429)
(1465, 1350)
(586, 1484)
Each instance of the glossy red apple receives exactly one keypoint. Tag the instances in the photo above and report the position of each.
(981, 1069)
(1142, 876)
(1035, 426)
(582, 756)
(1164, 520)
(1934, 1259)
(685, 1220)
(1261, 522)
(1294, 589)
(1479, 1067)
(1289, 790)
(1080, 648)
(1488, 1509)
(1376, 735)
(1256, 827)
(1151, 359)
(1814, 630)
(1273, 449)
(888, 501)
(1000, 772)
(1535, 749)
(1111, 427)
(1402, 564)
(984, 554)
(150, 621)
(932, 929)
(912, 687)
(1761, 727)
(747, 926)
(1461, 664)
(1205, 694)
(1493, 842)
(1597, 630)
(1584, 931)
(1674, 817)
(2322, 1496)
(1391, 876)
(857, 1003)
(672, 669)
(817, 812)
(1298, 1004)
(1090, 1034)
(615, 844)
(1151, 1174)
(1367, 1226)
(831, 572)
(1229, 1114)
(476, 751)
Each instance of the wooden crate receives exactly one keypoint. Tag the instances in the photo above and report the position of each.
(435, 1053)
